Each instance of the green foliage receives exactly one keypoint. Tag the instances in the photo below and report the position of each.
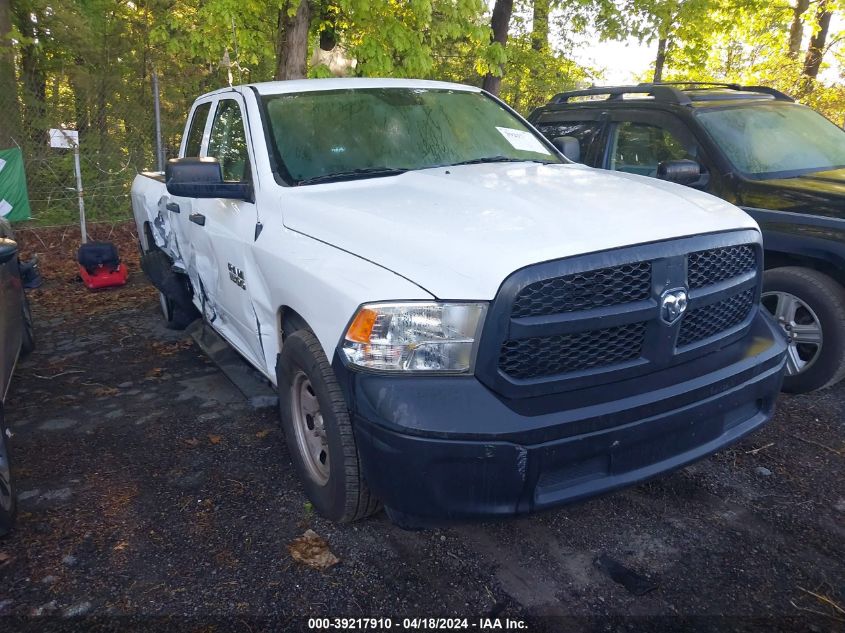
(748, 44)
(402, 38)
(88, 63)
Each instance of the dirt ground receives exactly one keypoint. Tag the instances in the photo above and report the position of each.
(152, 496)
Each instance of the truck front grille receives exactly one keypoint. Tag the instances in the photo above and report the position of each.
(548, 355)
(718, 264)
(598, 315)
(582, 291)
(702, 323)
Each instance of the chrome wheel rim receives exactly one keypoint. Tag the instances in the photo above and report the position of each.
(5, 475)
(308, 424)
(802, 327)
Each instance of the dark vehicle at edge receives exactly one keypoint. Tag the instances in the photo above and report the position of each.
(755, 147)
(16, 340)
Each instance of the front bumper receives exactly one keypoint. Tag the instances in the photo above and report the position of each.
(449, 448)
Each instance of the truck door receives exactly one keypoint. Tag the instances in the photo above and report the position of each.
(221, 230)
(179, 209)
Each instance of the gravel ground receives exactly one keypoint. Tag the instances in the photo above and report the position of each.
(153, 496)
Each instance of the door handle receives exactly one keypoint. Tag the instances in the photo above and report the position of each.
(172, 206)
(197, 218)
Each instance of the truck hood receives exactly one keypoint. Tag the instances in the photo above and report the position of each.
(458, 232)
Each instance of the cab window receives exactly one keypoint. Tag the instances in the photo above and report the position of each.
(194, 142)
(227, 142)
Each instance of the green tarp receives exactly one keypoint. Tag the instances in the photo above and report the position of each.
(14, 201)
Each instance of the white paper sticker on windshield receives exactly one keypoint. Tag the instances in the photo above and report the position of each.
(523, 140)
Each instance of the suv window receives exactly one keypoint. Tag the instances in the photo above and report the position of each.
(192, 147)
(584, 131)
(228, 141)
(776, 140)
(637, 148)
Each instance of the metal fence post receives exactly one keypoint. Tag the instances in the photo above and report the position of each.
(82, 226)
(157, 107)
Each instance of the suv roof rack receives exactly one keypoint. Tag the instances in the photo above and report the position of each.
(668, 91)
(659, 92)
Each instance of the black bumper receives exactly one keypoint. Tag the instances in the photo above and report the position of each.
(449, 448)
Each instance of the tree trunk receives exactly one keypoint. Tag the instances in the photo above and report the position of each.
(33, 80)
(815, 51)
(540, 25)
(292, 41)
(796, 30)
(660, 60)
(500, 24)
(10, 120)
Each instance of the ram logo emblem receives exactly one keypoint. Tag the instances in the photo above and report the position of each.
(673, 304)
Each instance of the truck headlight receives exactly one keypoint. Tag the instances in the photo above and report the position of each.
(436, 337)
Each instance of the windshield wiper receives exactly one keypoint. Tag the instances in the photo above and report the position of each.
(498, 159)
(353, 174)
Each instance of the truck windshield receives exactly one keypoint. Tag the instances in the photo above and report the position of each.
(346, 134)
(776, 140)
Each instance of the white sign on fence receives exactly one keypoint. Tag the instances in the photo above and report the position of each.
(64, 139)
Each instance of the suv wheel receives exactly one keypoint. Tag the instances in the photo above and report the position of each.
(810, 307)
(319, 432)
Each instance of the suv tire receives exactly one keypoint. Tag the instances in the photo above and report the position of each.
(803, 301)
(319, 433)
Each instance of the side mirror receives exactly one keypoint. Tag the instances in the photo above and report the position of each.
(202, 178)
(682, 172)
(569, 147)
(8, 250)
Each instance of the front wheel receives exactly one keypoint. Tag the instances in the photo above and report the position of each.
(319, 433)
(810, 307)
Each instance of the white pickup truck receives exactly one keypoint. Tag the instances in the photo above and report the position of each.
(459, 322)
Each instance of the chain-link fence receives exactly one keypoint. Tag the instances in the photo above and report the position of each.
(117, 139)
(110, 157)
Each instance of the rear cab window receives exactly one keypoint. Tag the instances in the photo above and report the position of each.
(193, 144)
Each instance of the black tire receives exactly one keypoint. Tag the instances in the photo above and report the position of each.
(8, 501)
(27, 329)
(344, 497)
(825, 299)
(177, 314)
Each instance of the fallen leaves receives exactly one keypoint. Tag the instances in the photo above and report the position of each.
(215, 439)
(63, 292)
(163, 348)
(101, 392)
(5, 559)
(263, 433)
(192, 442)
(311, 550)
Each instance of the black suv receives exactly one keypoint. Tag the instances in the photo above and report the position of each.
(756, 148)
